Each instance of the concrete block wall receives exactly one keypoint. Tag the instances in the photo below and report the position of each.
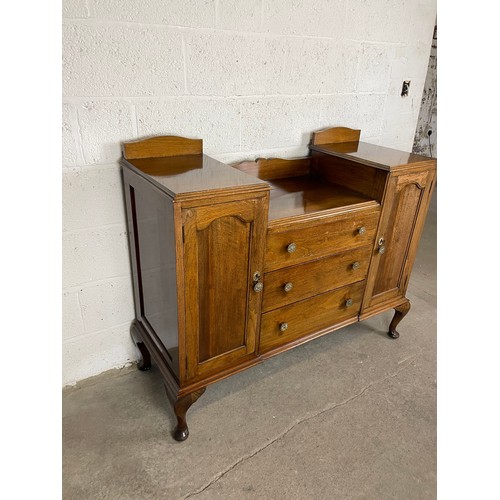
(250, 77)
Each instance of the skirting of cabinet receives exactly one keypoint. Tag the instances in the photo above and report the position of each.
(390, 304)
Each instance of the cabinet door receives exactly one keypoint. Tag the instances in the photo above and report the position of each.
(403, 216)
(223, 249)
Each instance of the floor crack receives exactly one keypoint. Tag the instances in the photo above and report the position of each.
(295, 424)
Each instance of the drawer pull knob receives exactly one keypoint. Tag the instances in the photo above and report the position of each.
(362, 230)
(283, 327)
(291, 248)
(355, 265)
(348, 303)
(288, 287)
(381, 249)
(258, 287)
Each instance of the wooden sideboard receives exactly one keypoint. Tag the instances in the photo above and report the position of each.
(234, 264)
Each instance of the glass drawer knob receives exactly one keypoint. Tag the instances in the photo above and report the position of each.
(288, 287)
(355, 265)
(291, 248)
(258, 287)
(348, 303)
(381, 249)
(283, 327)
(362, 230)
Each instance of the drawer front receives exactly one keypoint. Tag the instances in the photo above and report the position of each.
(304, 241)
(309, 316)
(291, 284)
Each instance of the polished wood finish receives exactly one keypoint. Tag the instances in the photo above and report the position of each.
(314, 277)
(233, 265)
(309, 316)
(153, 259)
(375, 156)
(194, 177)
(295, 190)
(181, 406)
(223, 248)
(167, 145)
(298, 196)
(344, 173)
(312, 240)
(401, 223)
(400, 312)
(275, 168)
(336, 135)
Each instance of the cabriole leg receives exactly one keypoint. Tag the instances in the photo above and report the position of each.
(401, 312)
(181, 406)
(145, 361)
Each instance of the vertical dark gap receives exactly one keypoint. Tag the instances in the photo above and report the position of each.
(137, 252)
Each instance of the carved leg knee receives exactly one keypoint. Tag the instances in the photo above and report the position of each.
(145, 361)
(181, 406)
(401, 312)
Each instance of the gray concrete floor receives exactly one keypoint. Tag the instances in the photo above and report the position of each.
(350, 415)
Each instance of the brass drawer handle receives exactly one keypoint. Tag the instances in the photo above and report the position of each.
(381, 249)
(258, 287)
(355, 265)
(288, 287)
(291, 248)
(348, 303)
(362, 230)
(283, 327)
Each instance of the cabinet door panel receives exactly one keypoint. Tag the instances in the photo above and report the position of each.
(222, 277)
(223, 248)
(403, 216)
(397, 236)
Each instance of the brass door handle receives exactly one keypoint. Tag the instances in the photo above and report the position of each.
(258, 285)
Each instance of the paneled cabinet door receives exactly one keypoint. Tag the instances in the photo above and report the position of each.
(223, 262)
(405, 208)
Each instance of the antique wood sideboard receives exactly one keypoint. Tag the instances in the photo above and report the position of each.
(234, 264)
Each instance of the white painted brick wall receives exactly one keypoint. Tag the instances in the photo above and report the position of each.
(250, 77)
(207, 118)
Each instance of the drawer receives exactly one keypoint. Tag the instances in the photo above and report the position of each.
(291, 284)
(310, 316)
(303, 241)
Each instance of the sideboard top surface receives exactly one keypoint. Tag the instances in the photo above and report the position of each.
(373, 155)
(182, 176)
(297, 196)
